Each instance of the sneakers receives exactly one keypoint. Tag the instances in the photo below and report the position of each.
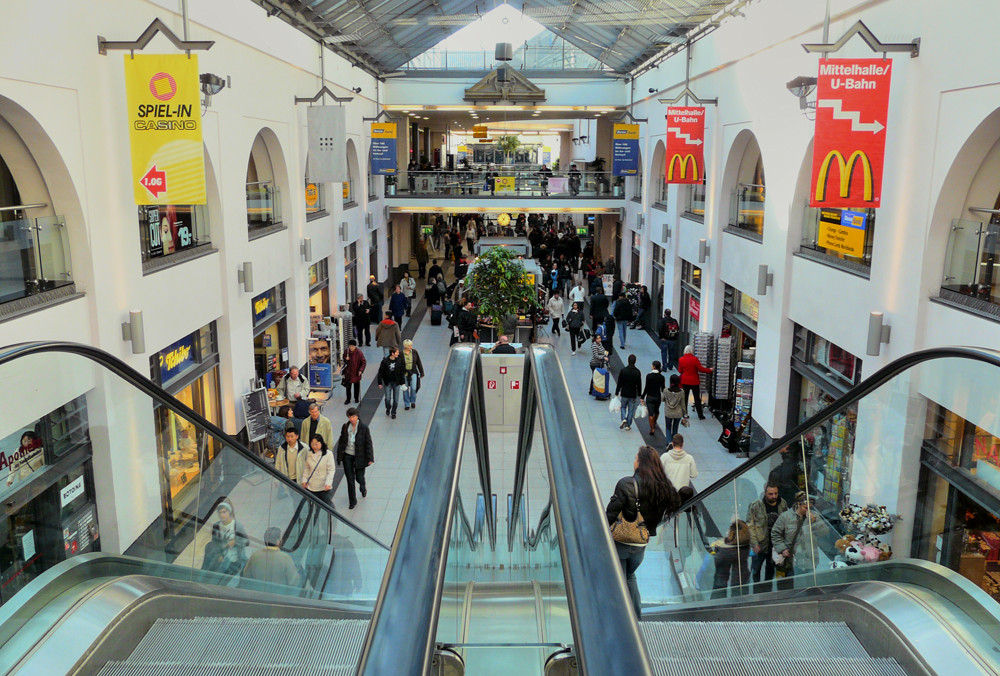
(393, 416)
(622, 426)
(406, 408)
(573, 352)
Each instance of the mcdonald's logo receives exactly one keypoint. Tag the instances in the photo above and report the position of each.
(683, 163)
(846, 170)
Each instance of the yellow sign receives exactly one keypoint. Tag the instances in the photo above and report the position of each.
(479, 131)
(504, 183)
(176, 357)
(682, 163)
(842, 231)
(846, 168)
(749, 306)
(529, 278)
(347, 189)
(312, 194)
(164, 114)
(383, 130)
(626, 132)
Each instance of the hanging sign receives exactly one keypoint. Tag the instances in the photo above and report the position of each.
(479, 131)
(383, 153)
(685, 145)
(546, 155)
(462, 153)
(694, 309)
(852, 102)
(625, 150)
(164, 116)
(327, 143)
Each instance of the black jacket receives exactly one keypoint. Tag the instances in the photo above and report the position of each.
(574, 320)
(629, 382)
(465, 320)
(392, 372)
(418, 366)
(364, 452)
(623, 501)
(664, 326)
(655, 384)
(599, 306)
(362, 312)
(623, 310)
(375, 295)
(434, 271)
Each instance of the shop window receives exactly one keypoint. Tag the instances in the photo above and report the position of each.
(696, 199)
(351, 270)
(691, 274)
(964, 444)
(166, 230)
(840, 234)
(315, 202)
(972, 261)
(637, 183)
(319, 293)
(746, 207)
(263, 198)
(34, 250)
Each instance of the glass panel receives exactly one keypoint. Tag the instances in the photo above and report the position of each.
(263, 204)
(53, 252)
(164, 230)
(696, 199)
(315, 202)
(488, 180)
(18, 265)
(971, 264)
(846, 234)
(747, 208)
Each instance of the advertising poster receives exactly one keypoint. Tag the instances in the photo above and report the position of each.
(383, 148)
(843, 231)
(320, 368)
(504, 183)
(461, 153)
(685, 145)
(852, 103)
(558, 184)
(546, 155)
(625, 150)
(164, 117)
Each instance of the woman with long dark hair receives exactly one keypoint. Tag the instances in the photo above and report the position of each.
(658, 500)
(316, 469)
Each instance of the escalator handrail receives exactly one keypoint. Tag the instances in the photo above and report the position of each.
(855, 394)
(402, 634)
(595, 586)
(158, 394)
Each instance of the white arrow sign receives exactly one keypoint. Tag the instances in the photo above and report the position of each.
(837, 106)
(685, 137)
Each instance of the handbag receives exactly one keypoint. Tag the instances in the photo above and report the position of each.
(631, 532)
(686, 421)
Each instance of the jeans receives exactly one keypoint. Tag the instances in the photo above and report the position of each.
(631, 557)
(352, 474)
(409, 306)
(623, 329)
(640, 319)
(385, 352)
(762, 560)
(697, 398)
(665, 356)
(671, 354)
(629, 405)
(671, 425)
(391, 398)
(410, 395)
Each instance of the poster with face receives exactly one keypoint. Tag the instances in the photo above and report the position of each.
(320, 367)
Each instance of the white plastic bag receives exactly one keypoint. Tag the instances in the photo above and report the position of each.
(616, 405)
(640, 411)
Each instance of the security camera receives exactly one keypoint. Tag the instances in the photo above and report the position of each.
(211, 84)
(356, 90)
(652, 90)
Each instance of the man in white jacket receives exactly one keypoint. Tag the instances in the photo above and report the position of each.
(679, 465)
(555, 308)
(578, 294)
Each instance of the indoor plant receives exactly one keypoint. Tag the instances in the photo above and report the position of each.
(497, 284)
(507, 145)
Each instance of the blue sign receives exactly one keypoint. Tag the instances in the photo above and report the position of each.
(853, 219)
(383, 152)
(177, 358)
(263, 305)
(625, 150)
(320, 376)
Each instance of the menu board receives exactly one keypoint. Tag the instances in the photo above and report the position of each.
(257, 413)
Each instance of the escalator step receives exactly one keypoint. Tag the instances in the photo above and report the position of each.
(178, 669)
(740, 666)
(257, 642)
(779, 640)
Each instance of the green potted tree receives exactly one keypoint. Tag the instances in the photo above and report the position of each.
(601, 183)
(508, 145)
(500, 287)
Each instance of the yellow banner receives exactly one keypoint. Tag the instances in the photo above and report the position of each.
(164, 114)
(842, 231)
(383, 130)
(626, 131)
(504, 183)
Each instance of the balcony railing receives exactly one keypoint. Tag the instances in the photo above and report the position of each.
(263, 204)
(562, 57)
(34, 256)
(972, 261)
(315, 202)
(746, 210)
(504, 184)
(696, 199)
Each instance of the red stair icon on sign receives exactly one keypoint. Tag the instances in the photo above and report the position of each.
(154, 181)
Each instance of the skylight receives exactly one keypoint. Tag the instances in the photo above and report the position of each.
(503, 24)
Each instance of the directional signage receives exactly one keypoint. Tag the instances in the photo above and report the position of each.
(852, 103)
(479, 131)
(685, 145)
(625, 150)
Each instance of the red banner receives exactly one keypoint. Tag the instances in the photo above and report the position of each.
(852, 101)
(685, 141)
(694, 309)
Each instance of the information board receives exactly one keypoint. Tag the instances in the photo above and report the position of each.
(257, 413)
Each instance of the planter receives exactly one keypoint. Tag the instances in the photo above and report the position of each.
(390, 190)
(616, 191)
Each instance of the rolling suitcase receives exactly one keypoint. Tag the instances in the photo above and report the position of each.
(599, 384)
(436, 312)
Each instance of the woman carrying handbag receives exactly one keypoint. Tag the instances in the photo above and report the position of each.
(640, 502)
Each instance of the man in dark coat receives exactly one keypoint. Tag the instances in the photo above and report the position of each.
(598, 307)
(361, 310)
(355, 453)
(376, 297)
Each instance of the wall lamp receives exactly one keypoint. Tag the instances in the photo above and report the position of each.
(132, 331)
(244, 276)
(878, 333)
(703, 250)
(666, 233)
(801, 87)
(764, 280)
(306, 248)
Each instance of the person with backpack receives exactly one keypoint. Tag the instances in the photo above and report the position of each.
(668, 332)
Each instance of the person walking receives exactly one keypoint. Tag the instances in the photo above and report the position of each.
(388, 335)
(652, 393)
(414, 370)
(353, 369)
(361, 312)
(376, 296)
(623, 316)
(761, 517)
(598, 308)
(578, 294)
(391, 376)
(629, 386)
(355, 454)
(644, 304)
(409, 287)
(668, 331)
(574, 324)
(471, 236)
(286, 457)
(599, 356)
(689, 367)
(609, 333)
(648, 492)
(673, 406)
(316, 469)
(398, 304)
(435, 270)
(555, 309)
(316, 424)
(421, 256)
(679, 465)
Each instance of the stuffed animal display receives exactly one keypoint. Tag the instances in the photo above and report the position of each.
(856, 551)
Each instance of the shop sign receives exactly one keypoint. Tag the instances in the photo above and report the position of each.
(383, 151)
(504, 183)
(177, 358)
(749, 306)
(164, 115)
(694, 309)
(347, 189)
(625, 150)
(71, 492)
(843, 231)
(462, 153)
(24, 460)
(262, 306)
(327, 143)
(479, 131)
(313, 274)
(312, 194)
(685, 145)
(80, 531)
(155, 238)
(546, 155)
(852, 105)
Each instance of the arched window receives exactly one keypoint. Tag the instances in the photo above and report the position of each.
(263, 199)
(315, 196)
(746, 210)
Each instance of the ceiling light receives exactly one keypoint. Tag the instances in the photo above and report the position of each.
(404, 111)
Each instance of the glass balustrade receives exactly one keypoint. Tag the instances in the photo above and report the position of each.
(746, 208)
(34, 256)
(502, 183)
(263, 204)
(972, 260)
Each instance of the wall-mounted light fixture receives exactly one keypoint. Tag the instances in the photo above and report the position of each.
(764, 280)
(801, 87)
(306, 248)
(132, 331)
(666, 233)
(878, 333)
(244, 276)
(343, 231)
(639, 222)
(703, 250)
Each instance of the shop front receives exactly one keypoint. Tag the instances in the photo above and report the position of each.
(319, 293)
(350, 273)
(736, 358)
(47, 490)
(689, 313)
(270, 333)
(658, 304)
(189, 370)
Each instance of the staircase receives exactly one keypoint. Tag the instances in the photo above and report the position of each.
(758, 648)
(235, 646)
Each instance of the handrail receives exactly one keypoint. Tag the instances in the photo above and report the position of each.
(158, 394)
(855, 394)
(595, 586)
(402, 634)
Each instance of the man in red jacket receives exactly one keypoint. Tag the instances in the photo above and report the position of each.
(689, 368)
(354, 368)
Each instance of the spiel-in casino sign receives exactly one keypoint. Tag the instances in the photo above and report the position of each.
(164, 117)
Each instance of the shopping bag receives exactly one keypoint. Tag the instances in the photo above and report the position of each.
(641, 411)
(616, 405)
(686, 421)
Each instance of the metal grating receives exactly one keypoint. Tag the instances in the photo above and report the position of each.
(174, 669)
(751, 640)
(736, 666)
